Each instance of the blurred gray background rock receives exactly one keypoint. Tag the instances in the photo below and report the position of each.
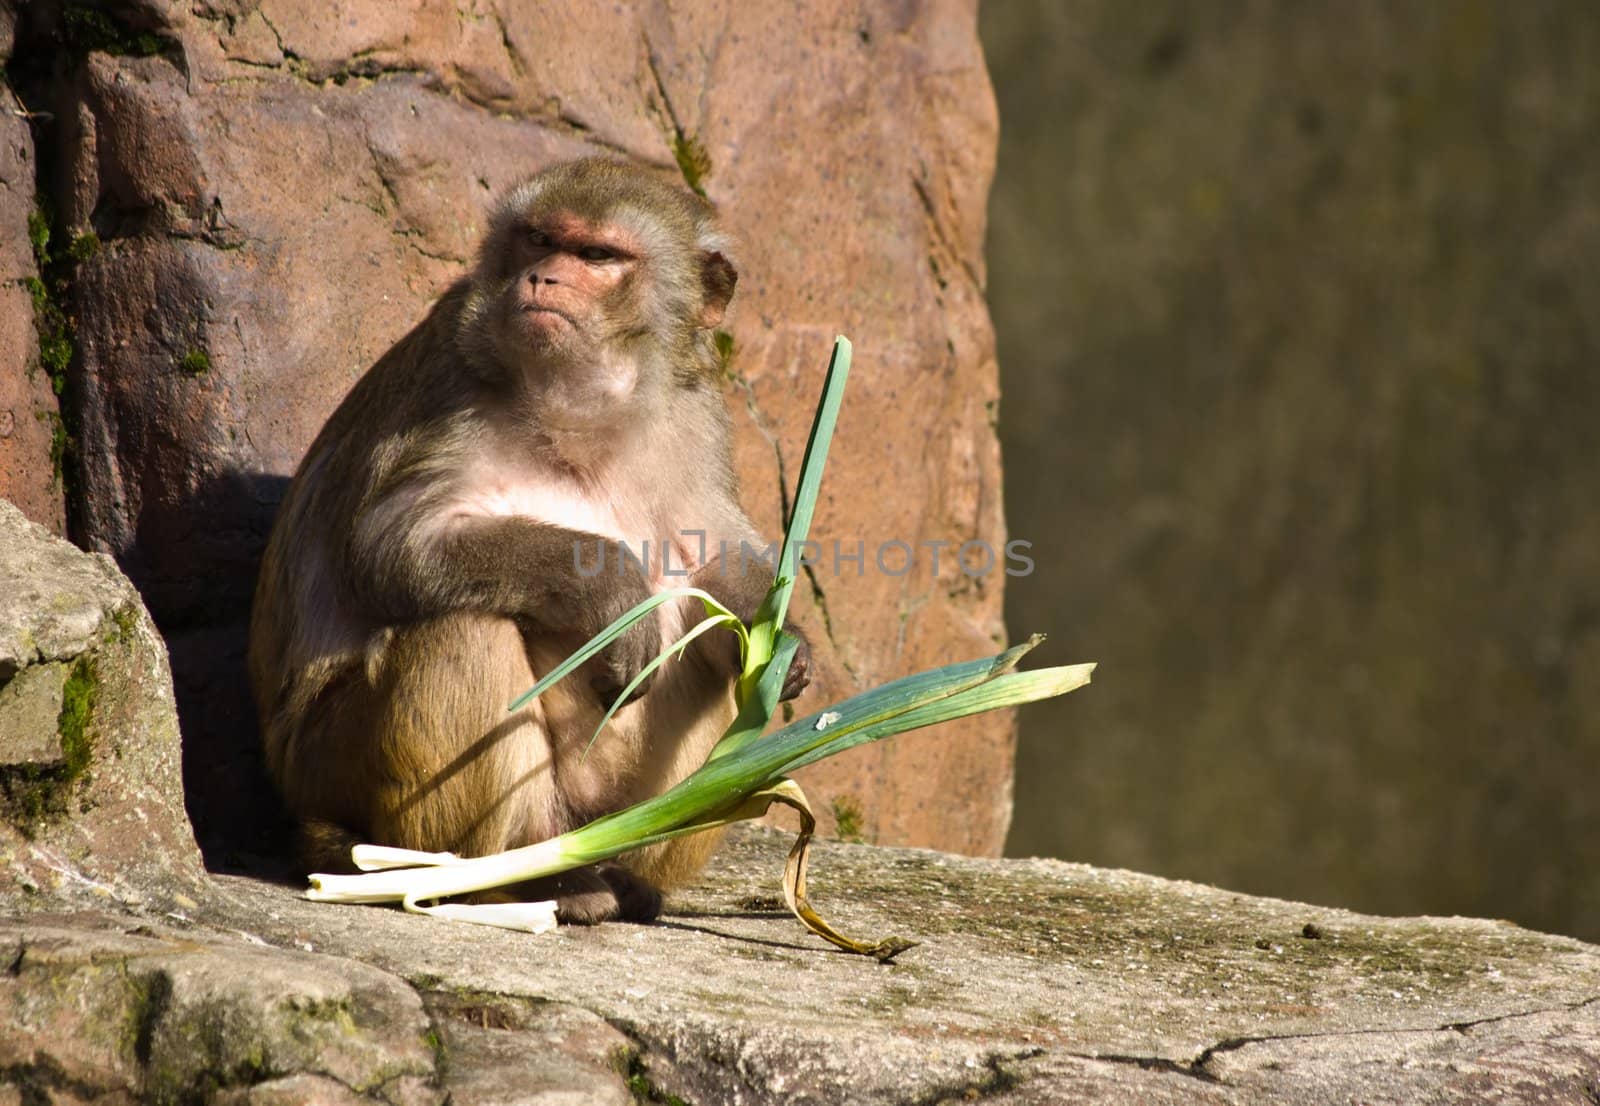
(1299, 317)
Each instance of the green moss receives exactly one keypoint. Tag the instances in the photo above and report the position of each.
(60, 447)
(39, 234)
(88, 29)
(847, 819)
(46, 291)
(693, 161)
(72, 724)
(126, 620)
(37, 292)
(50, 292)
(435, 1043)
(197, 362)
(722, 342)
(84, 246)
(31, 794)
(55, 354)
(630, 1065)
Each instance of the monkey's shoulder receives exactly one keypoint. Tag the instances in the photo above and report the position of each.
(423, 369)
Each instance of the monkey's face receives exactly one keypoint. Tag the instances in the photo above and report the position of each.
(593, 283)
(559, 281)
(566, 292)
(572, 278)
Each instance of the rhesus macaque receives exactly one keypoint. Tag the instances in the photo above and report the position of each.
(458, 528)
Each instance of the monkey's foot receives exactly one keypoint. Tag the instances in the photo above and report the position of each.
(587, 896)
(637, 898)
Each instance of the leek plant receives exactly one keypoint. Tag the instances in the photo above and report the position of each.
(745, 773)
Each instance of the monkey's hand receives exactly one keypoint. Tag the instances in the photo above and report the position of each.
(799, 676)
(740, 584)
(723, 653)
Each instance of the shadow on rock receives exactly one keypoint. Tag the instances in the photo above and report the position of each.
(195, 564)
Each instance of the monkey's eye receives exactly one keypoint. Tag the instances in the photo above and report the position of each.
(538, 238)
(596, 253)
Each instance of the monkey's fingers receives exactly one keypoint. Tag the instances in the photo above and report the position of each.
(799, 674)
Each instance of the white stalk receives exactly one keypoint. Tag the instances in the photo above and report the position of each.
(524, 917)
(378, 858)
(456, 876)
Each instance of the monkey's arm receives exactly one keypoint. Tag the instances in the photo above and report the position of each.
(409, 559)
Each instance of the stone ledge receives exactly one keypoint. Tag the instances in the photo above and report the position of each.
(1037, 982)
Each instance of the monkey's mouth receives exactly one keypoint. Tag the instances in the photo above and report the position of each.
(542, 309)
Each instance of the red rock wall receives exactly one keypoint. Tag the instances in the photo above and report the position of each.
(28, 410)
(282, 187)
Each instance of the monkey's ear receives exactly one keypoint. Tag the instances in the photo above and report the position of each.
(717, 276)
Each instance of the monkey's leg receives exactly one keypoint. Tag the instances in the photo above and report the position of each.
(673, 863)
(457, 773)
(687, 717)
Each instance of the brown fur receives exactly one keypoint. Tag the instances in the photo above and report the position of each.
(419, 576)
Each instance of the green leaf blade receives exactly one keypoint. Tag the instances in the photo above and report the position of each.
(776, 607)
(759, 704)
(1009, 689)
(754, 764)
